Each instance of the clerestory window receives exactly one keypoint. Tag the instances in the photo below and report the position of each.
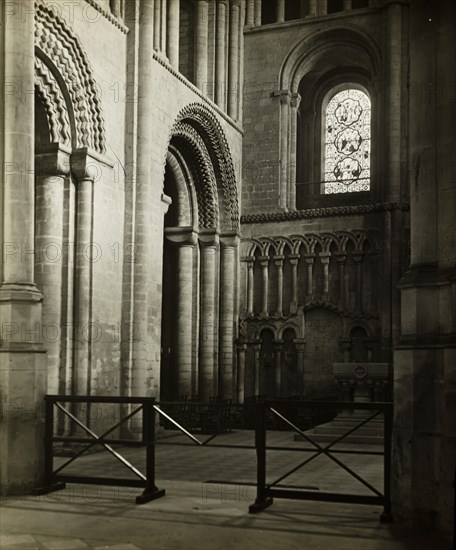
(346, 158)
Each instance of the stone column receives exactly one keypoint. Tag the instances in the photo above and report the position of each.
(208, 375)
(163, 27)
(309, 258)
(341, 258)
(256, 368)
(394, 41)
(250, 284)
(228, 271)
(300, 346)
(347, 5)
(157, 25)
(142, 371)
(201, 44)
(52, 167)
(250, 15)
(294, 105)
(358, 258)
(23, 363)
(280, 11)
(84, 169)
(185, 240)
(264, 262)
(257, 13)
(220, 55)
(278, 260)
(284, 117)
(242, 349)
(313, 8)
(172, 35)
(278, 345)
(294, 259)
(324, 258)
(322, 8)
(233, 62)
(115, 8)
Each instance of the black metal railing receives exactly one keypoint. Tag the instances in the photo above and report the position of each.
(266, 491)
(55, 479)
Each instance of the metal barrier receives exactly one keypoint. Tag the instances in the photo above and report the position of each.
(267, 491)
(54, 480)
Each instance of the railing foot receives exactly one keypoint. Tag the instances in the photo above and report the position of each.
(152, 495)
(58, 486)
(260, 506)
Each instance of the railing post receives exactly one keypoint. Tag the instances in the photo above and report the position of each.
(151, 492)
(261, 501)
(50, 484)
(386, 516)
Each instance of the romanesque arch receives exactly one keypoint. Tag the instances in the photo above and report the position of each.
(69, 150)
(200, 255)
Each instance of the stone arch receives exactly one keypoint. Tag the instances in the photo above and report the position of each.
(199, 118)
(64, 80)
(308, 51)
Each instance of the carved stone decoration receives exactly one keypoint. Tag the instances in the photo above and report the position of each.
(186, 139)
(51, 96)
(59, 48)
(209, 128)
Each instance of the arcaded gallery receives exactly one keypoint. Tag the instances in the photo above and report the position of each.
(228, 278)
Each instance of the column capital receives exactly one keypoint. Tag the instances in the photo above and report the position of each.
(264, 261)
(208, 237)
(230, 239)
(295, 99)
(183, 236)
(87, 164)
(278, 260)
(340, 256)
(309, 258)
(53, 160)
(283, 95)
(166, 202)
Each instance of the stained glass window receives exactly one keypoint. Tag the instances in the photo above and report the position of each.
(347, 129)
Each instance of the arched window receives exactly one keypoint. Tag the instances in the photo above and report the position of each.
(346, 158)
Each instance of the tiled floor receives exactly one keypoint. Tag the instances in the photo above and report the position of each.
(201, 514)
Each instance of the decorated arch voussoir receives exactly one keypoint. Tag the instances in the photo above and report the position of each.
(60, 50)
(208, 127)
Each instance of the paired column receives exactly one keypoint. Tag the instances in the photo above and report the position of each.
(250, 283)
(157, 25)
(278, 260)
(309, 258)
(324, 258)
(264, 262)
(284, 97)
(84, 169)
(280, 11)
(358, 258)
(229, 245)
(233, 82)
(341, 258)
(208, 375)
(322, 7)
(163, 20)
(313, 8)
(172, 38)
(185, 240)
(115, 8)
(220, 54)
(52, 167)
(257, 15)
(201, 44)
(295, 99)
(250, 13)
(300, 346)
(294, 259)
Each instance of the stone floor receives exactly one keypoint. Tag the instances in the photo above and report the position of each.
(206, 505)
